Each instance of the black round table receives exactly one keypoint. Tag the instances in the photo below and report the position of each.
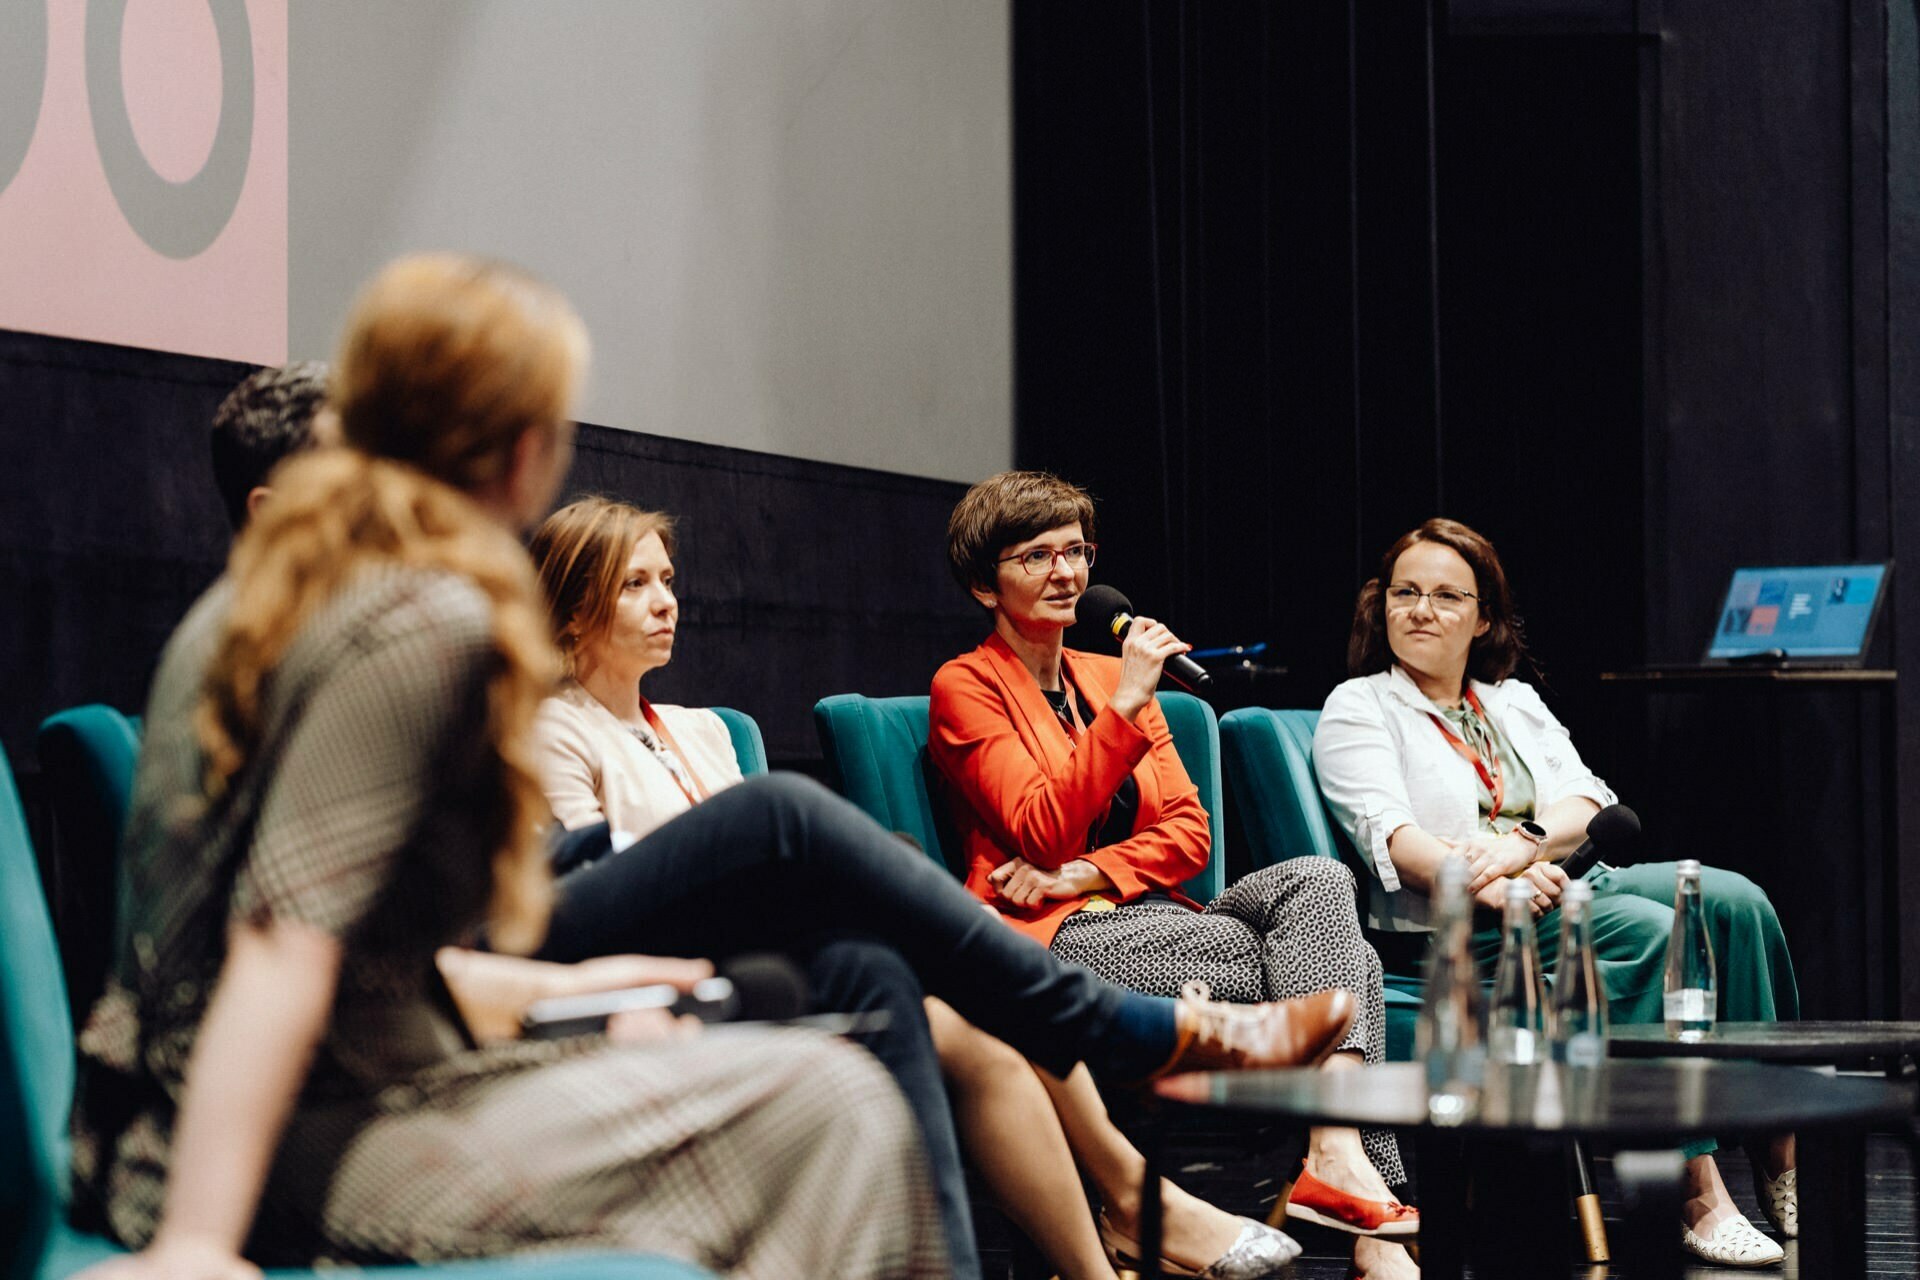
(1824, 1044)
(1833, 1187)
(1513, 1144)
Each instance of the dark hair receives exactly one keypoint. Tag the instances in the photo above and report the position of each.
(1494, 655)
(265, 418)
(1008, 508)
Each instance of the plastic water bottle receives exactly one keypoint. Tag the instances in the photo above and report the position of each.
(1691, 986)
(1579, 1007)
(1517, 1018)
(1449, 1039)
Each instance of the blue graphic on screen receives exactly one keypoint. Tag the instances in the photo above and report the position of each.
(1817, 612)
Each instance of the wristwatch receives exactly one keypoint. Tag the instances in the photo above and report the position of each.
(1533, 833)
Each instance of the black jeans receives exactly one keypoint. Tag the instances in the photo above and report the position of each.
(780, 863)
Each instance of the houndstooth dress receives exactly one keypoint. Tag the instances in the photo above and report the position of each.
(758, 1153)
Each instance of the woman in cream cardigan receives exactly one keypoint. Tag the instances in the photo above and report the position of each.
(606, 753)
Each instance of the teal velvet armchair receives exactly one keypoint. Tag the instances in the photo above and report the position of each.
(749, 748)
(1269, 766)
(876, 750)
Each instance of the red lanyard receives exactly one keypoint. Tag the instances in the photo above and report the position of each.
(1489, 770)
(665, 735)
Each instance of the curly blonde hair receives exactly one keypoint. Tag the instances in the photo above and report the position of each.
(429, 417)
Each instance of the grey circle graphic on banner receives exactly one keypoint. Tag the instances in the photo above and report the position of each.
(23, 80)
(178, 219)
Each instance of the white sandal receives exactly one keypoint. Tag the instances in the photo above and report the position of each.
(1734, 1243)
(1779, 1200)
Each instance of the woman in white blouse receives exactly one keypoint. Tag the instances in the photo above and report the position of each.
(606, 753)
(1433, 748)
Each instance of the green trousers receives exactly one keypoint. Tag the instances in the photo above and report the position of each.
(1632, 920)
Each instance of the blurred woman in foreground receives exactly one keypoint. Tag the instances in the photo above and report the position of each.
(336, 781)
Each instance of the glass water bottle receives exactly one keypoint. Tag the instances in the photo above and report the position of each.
(1578, 1023)
(1691, 987)
(1449, 1039)
(1517, 1017)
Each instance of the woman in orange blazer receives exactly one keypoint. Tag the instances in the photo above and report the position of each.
(1079, 824)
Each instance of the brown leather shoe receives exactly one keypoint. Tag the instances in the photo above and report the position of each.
(1283, 1033)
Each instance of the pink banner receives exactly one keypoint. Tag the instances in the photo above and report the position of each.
(143, 173)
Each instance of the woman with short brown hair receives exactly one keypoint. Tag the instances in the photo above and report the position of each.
(1078, 824)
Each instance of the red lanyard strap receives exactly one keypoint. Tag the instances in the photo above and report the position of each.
(665, 735)
(1488, 769)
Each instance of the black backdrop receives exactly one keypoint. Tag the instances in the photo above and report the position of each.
(1621, 284)
(1631, 286)
(799, 579)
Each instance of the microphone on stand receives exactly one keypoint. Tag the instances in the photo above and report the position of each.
(1615, 830)
(1106, 608)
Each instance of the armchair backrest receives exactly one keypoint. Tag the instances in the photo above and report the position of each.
(876, 750)
(749, 748)
(1196, 736)
(87, 758)
(1269, 764)
(36, 1044)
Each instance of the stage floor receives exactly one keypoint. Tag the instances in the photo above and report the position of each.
(1225, 1171)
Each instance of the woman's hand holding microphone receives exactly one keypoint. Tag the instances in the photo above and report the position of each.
(1142, 654)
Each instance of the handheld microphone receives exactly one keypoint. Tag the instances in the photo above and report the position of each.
(1104, 607)
(1614, 830)
(752, 988)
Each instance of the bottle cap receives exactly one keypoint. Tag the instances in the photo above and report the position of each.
(1453, 872)
(1519, 889)
(1688, 867)
(1577, 891)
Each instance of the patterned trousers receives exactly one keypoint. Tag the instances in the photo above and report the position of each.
(1286, 930)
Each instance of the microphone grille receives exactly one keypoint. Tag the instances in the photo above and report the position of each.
(1098, 604)
(771, 987)
(1614, 826)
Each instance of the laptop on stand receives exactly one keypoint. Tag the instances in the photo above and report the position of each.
(1797, 617)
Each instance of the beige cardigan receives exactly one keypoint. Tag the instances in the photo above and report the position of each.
(594, 769)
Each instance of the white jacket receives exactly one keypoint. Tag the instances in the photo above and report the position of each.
(1382, 764)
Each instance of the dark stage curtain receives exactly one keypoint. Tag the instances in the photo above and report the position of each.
(1622, 284)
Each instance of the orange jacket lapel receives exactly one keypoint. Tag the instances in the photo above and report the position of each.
(1039, 728)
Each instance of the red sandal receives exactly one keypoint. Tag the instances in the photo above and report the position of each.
(1316, 1202)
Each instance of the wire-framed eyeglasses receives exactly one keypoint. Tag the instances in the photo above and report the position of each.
(1401, 598)
(1039, 560)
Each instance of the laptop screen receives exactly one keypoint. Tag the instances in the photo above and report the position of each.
(1822, 611)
